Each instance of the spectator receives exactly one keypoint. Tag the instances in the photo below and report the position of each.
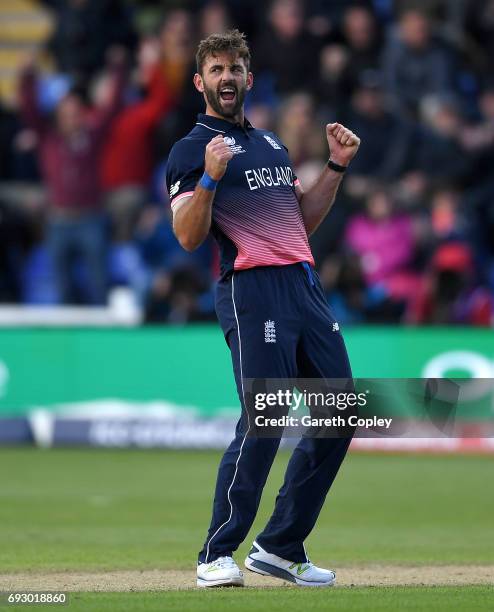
(363, 41)
(304, 139)
(214, 17)
(439, 154)
(447, 221)
(178, 66)
(176, 298)
(127, 163)
(177, 50)
(350, 298)
(285, 50)
(160, 250)
(415, 64)
(385, 242)
(449, 294)
(69, 153)
(385, 138)
(334, 85)
(85, 30)
(325, 18)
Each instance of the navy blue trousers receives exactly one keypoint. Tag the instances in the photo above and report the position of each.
(302, 341)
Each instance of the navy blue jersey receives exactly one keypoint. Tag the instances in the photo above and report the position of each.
(256, 217)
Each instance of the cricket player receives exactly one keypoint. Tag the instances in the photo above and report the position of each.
(235, 181)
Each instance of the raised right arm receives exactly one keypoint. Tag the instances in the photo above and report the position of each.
(30, 112)
(192, 214)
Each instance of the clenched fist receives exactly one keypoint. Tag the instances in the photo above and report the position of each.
(343, 143)
(218, 154)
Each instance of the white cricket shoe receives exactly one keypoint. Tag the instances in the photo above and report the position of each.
(220, 572)
(302, 574)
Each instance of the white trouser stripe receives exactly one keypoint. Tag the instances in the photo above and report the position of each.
(248, 423)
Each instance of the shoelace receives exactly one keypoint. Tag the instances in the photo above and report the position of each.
(224, 562)
(301, 567)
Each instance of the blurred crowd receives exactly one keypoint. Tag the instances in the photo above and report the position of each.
(83, 205)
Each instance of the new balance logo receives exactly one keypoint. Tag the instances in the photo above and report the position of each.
(174, 188)
(272, 142)
(336, 327)
(269, 331)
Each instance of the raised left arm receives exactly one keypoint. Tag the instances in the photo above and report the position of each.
(102, 118)
(317, 201)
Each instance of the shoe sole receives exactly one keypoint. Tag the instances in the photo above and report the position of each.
(266, 569)
(228, 582)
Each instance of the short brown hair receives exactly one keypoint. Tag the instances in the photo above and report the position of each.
(232, 41)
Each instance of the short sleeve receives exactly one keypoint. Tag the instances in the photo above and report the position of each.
(184, 169)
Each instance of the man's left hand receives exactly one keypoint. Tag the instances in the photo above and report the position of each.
(343, 143)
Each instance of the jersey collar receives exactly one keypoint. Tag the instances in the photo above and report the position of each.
(221, 125)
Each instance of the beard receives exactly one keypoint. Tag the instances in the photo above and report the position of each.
(223, 107)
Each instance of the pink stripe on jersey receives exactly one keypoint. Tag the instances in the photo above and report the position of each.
(267, 228)
(186, 194)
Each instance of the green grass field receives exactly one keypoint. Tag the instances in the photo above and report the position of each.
(78, 510)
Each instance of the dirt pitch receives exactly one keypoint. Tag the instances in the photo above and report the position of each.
(167, 580)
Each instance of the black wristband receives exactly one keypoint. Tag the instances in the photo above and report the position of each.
(336, 167)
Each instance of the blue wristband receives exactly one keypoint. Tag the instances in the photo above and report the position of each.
(207, 182)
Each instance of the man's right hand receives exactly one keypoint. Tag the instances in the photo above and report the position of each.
(218, 154)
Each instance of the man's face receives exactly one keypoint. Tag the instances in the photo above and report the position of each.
(415, 30)
(359, 28)
(224, 82)
(70, 115)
